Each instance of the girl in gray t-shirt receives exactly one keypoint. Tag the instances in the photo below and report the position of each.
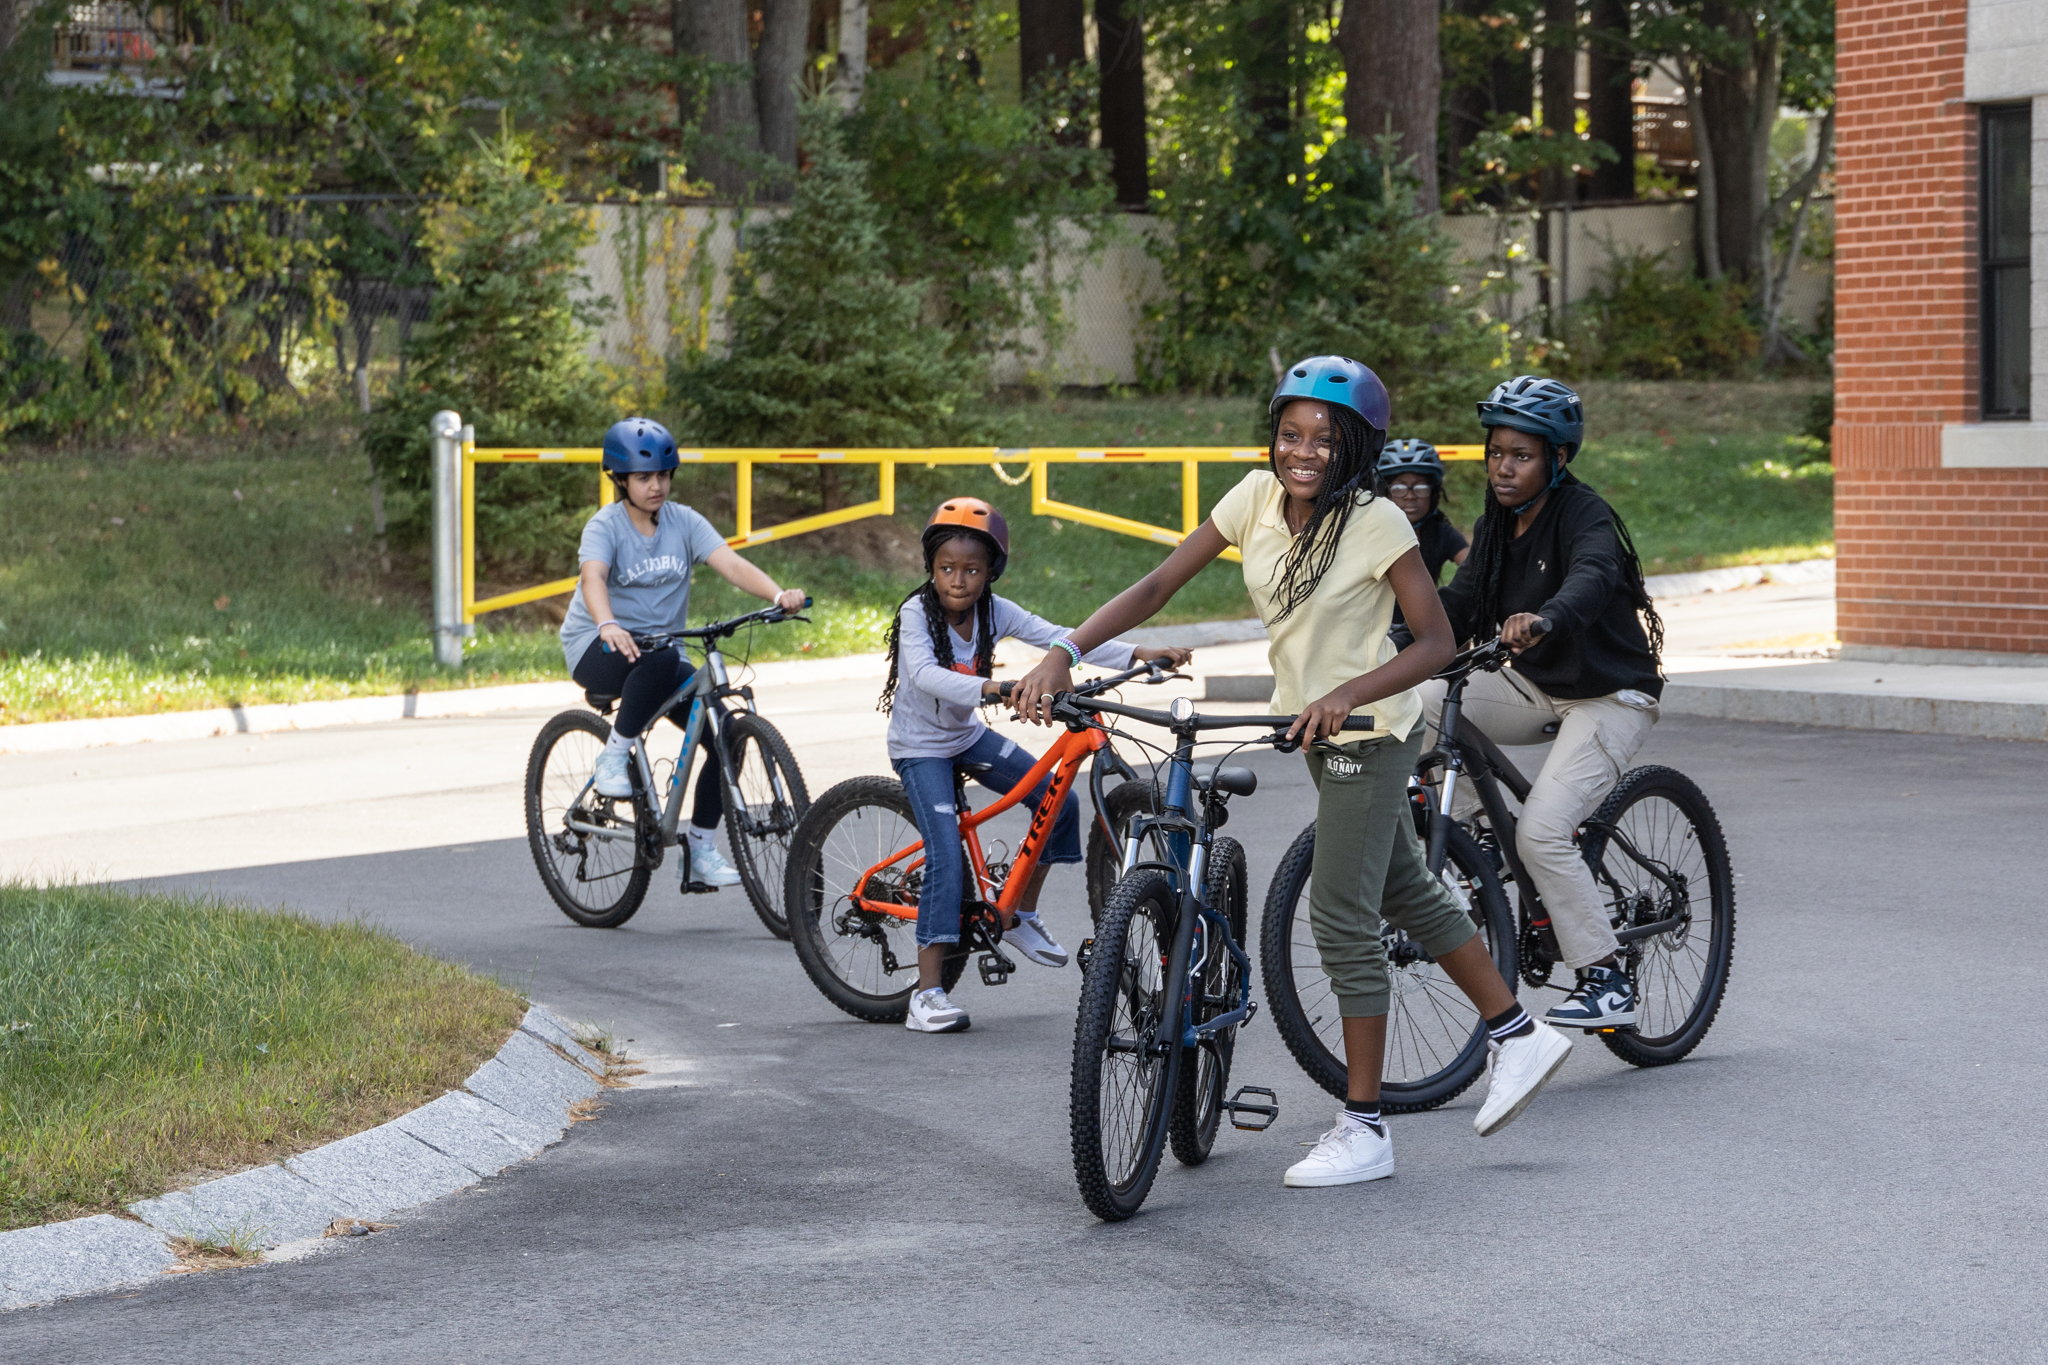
(636, 558)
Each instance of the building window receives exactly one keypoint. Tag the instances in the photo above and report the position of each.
(2004, 275)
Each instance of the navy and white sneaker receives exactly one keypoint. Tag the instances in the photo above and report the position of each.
(1604, 998)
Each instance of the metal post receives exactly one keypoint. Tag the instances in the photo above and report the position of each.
(446, 428)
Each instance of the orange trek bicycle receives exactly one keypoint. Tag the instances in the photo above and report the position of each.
(856, 869)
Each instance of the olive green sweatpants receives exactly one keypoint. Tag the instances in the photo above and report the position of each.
(1370, 868)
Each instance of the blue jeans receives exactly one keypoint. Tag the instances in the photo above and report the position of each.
(929, 783)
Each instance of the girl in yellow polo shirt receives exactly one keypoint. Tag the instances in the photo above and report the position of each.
(1326, 562)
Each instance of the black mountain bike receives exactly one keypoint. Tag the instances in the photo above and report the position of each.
(596, 853)
(1656, 849)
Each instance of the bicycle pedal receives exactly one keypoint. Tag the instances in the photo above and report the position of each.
(1085, 954)
(1238, 1106)
(995, 969)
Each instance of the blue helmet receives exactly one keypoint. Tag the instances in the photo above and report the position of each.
(1335, 379)
(1411, 456)
(1541, 407)
(639, 446)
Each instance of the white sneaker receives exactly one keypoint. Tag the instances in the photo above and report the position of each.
(612, 778)
(708, 867)
(1515, 1071)
(1028, 937)
(932, 1012)
(1346, 1155)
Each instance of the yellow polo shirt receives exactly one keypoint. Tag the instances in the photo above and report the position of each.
(1340, 632)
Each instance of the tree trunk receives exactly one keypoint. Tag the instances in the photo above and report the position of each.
(853, 52)
(1738, 105)
(1707, 210)
(1051, 36)
(1393, 80)
(1610, 110)
(1560, 100)
(722, 105)
(1120, 51)
(778, 63)
(1466, 102)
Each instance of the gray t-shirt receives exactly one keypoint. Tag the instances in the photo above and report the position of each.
(649, 580)
(936, 714)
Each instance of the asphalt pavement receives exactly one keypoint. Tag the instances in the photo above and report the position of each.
(1848, 1169)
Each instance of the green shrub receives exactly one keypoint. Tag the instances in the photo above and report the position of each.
(507, 346)
(1349, 267)
(828, 347)
(1653, 319)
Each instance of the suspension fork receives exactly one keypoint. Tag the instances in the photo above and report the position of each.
(1454, 764)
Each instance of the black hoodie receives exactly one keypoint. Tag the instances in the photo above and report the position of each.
(1568, 568)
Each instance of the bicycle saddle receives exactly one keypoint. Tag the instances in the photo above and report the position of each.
(1236, 781)
(601, 702)
(974, 769)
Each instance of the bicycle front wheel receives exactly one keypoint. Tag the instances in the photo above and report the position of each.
(1123, 1080)
(1436, 1039)
(1205, 1068)
(763, 805)
(1106, 859)
(1656, 847)
(596, 880)
(864, 961)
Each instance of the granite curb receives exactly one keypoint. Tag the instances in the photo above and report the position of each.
(509, 1109)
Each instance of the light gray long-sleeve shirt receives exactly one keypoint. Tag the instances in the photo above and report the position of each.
(937, 710)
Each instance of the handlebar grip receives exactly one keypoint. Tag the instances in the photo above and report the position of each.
(807, 604)
(1542, 626)
(1357, 723)
(1004, 689)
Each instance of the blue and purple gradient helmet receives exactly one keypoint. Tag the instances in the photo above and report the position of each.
(1339, 380)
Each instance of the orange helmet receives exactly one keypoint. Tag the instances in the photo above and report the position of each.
(973, 517)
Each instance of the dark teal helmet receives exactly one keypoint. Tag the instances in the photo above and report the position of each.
(1410, 456)
(1541, 407)
(1335, 379)
(639, 446)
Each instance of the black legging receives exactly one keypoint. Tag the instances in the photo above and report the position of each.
(641, 688)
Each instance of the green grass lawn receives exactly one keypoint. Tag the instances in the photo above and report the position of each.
(135, 582)
(147, 1042)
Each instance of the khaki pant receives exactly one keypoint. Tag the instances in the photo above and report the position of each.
(1370, 867)
(1594, 742)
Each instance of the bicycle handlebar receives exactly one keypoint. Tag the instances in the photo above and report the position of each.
(767, 616)
(1490, 655)
(1076, 703)
(1151, 668)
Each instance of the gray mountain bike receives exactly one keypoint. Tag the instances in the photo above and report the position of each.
(596, 854)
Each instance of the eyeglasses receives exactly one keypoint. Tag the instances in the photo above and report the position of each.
(1402, 489)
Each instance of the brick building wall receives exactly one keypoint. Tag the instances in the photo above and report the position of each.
(1927, 556)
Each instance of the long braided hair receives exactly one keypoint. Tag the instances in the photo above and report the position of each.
(1490, 551)
(942, 632)
(1357, 449)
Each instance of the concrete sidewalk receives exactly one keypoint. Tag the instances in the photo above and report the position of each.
(1940, 699)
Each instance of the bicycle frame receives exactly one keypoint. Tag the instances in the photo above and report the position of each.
(1464, 749)
(1063, 760)
(706, 687)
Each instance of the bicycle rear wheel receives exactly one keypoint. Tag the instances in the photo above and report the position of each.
(763, 806)
(864, 961)
(1205, 1068)
(1656, 847)
(1123, 1083)
(1436, 1039)
(595, 881)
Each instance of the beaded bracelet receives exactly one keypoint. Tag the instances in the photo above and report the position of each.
(1072, 652)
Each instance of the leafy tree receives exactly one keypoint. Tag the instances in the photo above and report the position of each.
(828, 346)
(507, 346)
(975, 193)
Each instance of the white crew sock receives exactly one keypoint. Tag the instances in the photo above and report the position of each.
(618, 743)
(702, 838)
